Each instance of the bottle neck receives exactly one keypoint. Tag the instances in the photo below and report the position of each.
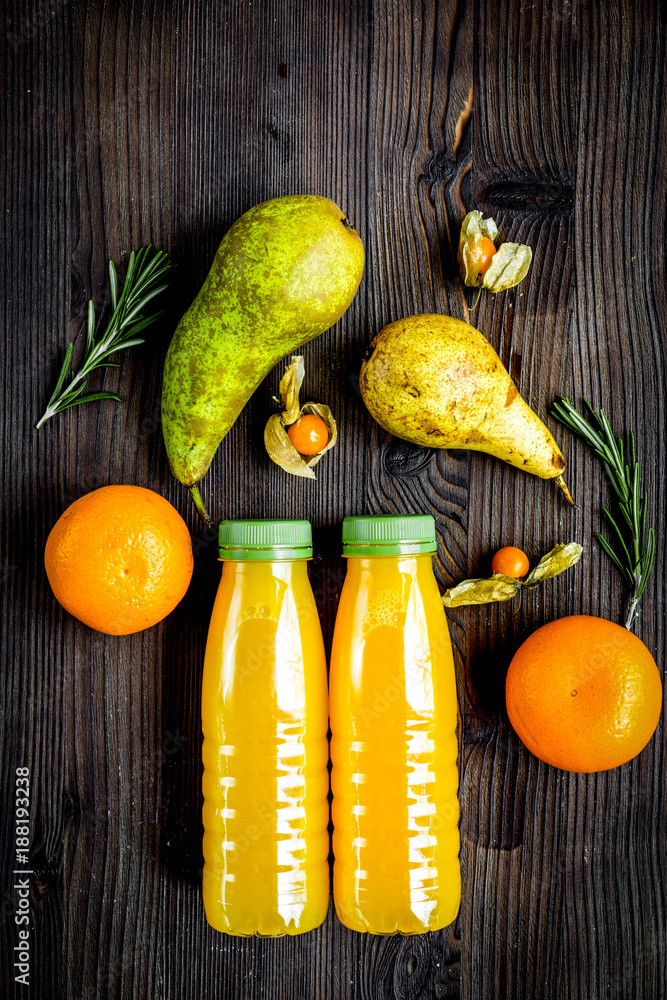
(283, 569)
(367, 562)
(419, 566)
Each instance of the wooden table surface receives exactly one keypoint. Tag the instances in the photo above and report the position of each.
(128, 123)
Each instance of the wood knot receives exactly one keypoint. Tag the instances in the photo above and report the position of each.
(551, 196)
(402, 460)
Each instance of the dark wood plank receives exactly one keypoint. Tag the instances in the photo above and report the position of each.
(35, 122)
(615, 880)
(87, 177)
(526, 80)
(121, 136)
(563, 871)
(419, 163)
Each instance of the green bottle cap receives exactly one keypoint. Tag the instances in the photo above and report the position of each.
(268, 540)
(389, 536)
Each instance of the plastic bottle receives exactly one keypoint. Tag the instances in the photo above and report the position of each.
(393, 715)
(264, 717)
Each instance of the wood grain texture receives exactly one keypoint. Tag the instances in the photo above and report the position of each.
(526, 80)
(616, 820)
(565, 877)
(136, 121)
(120, 101)
(35, 120)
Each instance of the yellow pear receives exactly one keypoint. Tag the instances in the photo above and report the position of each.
(438, 382)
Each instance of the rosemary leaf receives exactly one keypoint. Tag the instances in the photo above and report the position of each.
(113, 283)
(91, 397)
(141, 285)
(90, 335)
(629, 579)
(619, 536)
(143, 323)
(64, 372)
(647, 563)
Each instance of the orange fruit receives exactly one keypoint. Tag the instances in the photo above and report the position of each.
(584, 694)
(119, 559)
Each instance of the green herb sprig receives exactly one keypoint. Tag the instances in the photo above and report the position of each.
(634, 546)
(140, 286)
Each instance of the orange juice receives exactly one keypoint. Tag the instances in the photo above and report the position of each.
(393, 715)
(264, 717)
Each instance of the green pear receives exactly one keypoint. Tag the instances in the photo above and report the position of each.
(286, 271)
(438, 382)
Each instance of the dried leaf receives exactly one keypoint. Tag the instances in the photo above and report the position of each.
(559, 559)
(496, 588)
(508, 267)
(276, 440)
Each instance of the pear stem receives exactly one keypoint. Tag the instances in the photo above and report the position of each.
(199, 504)
(562, 485)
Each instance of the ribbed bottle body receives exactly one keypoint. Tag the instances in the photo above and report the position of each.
(393, 712)
(264, 718)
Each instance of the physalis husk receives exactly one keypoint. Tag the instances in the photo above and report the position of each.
(277, 443)
(508, 265)
(504, 588)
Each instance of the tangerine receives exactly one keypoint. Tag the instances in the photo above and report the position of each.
(119, 559)
(584, 694)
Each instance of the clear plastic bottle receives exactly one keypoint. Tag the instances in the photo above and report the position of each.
(264, 717)
(393, 715)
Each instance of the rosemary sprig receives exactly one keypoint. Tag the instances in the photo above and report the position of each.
(140, 286)
(634, 550)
